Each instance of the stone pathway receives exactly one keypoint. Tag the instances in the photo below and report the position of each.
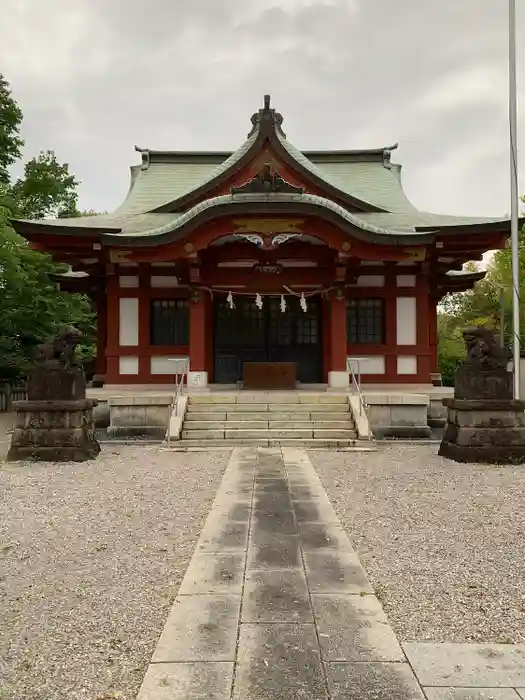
(276, 606)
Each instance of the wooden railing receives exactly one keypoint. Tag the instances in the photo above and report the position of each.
(10, 393)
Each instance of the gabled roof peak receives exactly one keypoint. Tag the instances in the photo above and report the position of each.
(266, 119)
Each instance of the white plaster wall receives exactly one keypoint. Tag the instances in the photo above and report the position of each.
(368, 365)
(406, 280)
(407, 364)
(164, 281)
(167, 365)
(128, 281)
(406, 321)
(129, 321)
(128, 364)
(371, 281)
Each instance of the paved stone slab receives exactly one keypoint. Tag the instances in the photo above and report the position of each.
(468, 665)
(471, 694)
(214, 573)
(276, 596)
(354, 628)
(271, 485)
(372, 681)
(279, 662)
(200, 628)
(223, 535)
(315, 510)
(335, 572)
(274, 503)
(318, 536)
(282, 522)
(187, 681)
(237, 511)
(521, 692)
(274, 551)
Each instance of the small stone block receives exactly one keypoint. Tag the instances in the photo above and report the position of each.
(200, 628)
(279, 662)
(187, 681)
(468, 665)
(354, 628)
(471, 694)
(276, 596)
(372, 681)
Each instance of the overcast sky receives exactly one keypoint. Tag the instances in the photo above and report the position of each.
(95, 77)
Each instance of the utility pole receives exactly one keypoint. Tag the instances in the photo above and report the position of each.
(513, 122)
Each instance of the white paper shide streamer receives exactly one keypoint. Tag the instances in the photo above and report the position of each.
(283, 304)
(229, 300)
(258, 301)
(302, 302)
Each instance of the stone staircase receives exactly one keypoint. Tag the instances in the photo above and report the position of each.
(268, 419)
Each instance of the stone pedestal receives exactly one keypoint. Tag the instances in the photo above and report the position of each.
(489, 431)
(54, 431)
(56, 423)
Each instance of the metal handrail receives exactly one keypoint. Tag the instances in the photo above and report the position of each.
(356, 385)
(179, 391)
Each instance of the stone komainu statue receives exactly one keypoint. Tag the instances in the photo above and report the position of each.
(483, 351)
(60, 350)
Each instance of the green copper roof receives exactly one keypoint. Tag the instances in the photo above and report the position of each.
(366, 176)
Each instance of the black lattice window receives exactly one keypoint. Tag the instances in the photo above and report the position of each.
(169, 322)
(365, 321)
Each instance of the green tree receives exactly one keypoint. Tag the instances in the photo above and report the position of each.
(47, 189)
(32, 307)
(481, 306)
(10, 141)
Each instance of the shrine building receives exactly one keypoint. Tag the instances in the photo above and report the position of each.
(268, 254)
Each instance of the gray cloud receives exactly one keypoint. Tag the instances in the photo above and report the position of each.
(95, 77)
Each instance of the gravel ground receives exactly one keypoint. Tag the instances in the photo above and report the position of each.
(443, 543)
(91, 558)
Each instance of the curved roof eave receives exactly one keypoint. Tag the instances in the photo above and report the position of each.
(297, 204)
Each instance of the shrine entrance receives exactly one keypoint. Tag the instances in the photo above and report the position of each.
(249, 334)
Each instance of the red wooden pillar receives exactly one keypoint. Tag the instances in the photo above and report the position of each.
(112, 327)
(337, 375)
(433, 331)
(200, 338)
(390, 324)
(326, 338)
(144, 275)
(101, 307)
(423, 330)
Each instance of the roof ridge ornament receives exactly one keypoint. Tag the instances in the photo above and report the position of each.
(145, 153)
(267, 181)
(387, 155)
(267, 118)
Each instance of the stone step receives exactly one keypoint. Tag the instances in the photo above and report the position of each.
(267, 424)
(263, 408)
(286, 398)
(268, 434)
(343, 415)
(271, 442)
